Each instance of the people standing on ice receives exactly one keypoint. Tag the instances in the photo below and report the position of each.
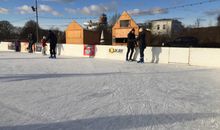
(130, 44)
(142, 44)
(53, 43)
(31, 40)
(44, 44)
(17, 46)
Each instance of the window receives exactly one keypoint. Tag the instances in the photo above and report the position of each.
(124, 23)
(158, 27)
(164, 26)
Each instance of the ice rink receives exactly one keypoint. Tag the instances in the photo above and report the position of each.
(37, 93)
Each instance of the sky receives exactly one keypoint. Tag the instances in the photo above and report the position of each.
(59, 13)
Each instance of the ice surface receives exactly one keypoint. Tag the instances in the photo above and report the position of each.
(37, 93)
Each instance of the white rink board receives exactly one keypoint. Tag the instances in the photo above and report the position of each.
(193, 56)
(205, 57)
(179, 55)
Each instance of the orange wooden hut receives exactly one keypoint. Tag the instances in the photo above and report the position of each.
(76, 34)
(121, 29)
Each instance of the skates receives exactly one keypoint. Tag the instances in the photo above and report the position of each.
(141, 60)
(52, 57)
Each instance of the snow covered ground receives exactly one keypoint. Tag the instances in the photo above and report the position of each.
(37, 93)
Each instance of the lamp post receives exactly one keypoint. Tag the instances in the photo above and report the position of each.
(35, 9)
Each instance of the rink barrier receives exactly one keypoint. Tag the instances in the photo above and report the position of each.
(209, 57)
(4, 46)
(205, 57)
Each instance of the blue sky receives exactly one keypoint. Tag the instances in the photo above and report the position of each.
(59, 13)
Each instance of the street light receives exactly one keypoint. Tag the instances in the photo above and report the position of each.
(35, 9)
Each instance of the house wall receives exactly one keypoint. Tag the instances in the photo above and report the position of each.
(162, 31)
(74, 37)
(74, 34)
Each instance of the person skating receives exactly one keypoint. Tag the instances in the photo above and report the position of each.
(31, 40)
(131, 44)
(142, 44)
(44, 44)
(53, 43)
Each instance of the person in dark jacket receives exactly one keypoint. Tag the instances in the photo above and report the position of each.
(32, 40)
(17, 46)
(142, 44)
(53, 43)
(131, 44)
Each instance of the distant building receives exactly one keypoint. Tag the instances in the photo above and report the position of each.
(166, 26)
(76, 34)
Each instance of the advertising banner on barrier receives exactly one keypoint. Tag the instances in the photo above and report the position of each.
(89, 50)
(115, 50)
(38, 48)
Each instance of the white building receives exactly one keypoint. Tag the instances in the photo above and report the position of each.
(166, 26)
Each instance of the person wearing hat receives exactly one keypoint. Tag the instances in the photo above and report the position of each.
(130, 44)
(44, 44)
(142, 44)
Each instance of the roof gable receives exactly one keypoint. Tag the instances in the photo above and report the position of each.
(125, 16)
(74, 25)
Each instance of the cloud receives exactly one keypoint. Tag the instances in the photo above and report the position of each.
(213, 12)
(3, 10)
(71, 11)
(48, 9)
(93, 9)
(152, 11)
(25, 9)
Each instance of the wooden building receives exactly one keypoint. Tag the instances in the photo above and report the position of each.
(121, 29)
(76, 34)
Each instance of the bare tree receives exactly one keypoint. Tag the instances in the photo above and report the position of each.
(29, 27)
(6, 30)
(198, 22)
(148, 24)
(114, 19)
